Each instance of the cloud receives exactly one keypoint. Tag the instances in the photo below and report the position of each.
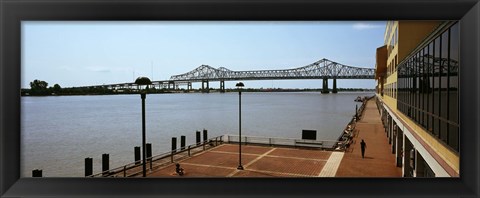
(366, 26)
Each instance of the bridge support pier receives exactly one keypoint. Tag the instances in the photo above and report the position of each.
(207, 90)
(334, 90)
(222, 86)
(325, 86)
(189, 86)
(171, 83)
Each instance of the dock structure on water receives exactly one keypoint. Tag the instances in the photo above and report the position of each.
(279, 157)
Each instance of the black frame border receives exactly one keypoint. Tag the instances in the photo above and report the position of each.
(12, 12)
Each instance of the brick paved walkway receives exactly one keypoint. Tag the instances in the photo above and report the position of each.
(379, 160)
(258, 161)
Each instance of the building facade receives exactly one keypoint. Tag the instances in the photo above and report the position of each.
(417, 95)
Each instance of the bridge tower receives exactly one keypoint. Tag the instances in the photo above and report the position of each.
(325, 85)
(334, 90)
(222, 86)
(207, 90)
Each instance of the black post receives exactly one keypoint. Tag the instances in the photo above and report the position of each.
(149, 150)
(182, 142)
(240, 167)
(137, 155)
(356, 112)
(205, 135)
(37, 173)
(198, 137)
(143, 95)
(105, 162)
(174, 144)
(334, 90)
(88, 166)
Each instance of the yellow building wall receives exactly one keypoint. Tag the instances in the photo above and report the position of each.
(391, 79)
(411, 34)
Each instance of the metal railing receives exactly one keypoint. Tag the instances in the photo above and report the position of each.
(136, 168)
(346, 138)
(275, 141)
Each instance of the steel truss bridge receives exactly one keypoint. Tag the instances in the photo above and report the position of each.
(322, 69)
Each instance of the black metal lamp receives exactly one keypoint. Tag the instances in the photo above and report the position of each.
(143, 81)
(240, 85)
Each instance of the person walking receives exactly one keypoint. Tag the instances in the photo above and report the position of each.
(363, 145)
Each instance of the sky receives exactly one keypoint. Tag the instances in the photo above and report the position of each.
(73, 53)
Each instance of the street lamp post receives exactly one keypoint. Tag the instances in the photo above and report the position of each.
(143, 81)
(239, 85)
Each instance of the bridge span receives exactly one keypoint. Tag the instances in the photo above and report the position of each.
(323, 69)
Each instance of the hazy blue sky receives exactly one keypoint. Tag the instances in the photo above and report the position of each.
(92, 53)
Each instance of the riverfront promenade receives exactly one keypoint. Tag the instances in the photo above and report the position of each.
(272, 161)
(379, 160)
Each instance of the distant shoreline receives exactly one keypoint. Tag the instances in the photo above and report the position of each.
(69, 92)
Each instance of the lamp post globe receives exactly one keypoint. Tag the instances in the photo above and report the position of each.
(240, 85)
(143, 81)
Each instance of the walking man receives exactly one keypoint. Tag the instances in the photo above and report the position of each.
(363, 145)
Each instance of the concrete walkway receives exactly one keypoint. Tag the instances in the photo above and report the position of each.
(379, 160)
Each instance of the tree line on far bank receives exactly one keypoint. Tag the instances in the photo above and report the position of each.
(40, 88)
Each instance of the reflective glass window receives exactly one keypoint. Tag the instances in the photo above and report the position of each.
(444, 76)
(444, 131)
(436, 79)
(430, 84)
(453, 139)
(453, 73)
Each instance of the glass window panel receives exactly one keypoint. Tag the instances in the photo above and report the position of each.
(454, 64)
(443, 131)
(430, 123)
(453, 138)
(436, 80)
(415, 84)
(396, 34)
(425, 119)
(436, 130)
(423, 80)
(430, 77)
(399, 99)
(444, 76)
(430, 84)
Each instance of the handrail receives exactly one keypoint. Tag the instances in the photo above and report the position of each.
(212, 142)
(323, 144)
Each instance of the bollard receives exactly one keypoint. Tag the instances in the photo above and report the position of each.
(88, 166)
(37, 173)
(198, 137)
(137, 155)
(356, 112)
(105, 163)
(205, 135)
(174, 144)
(182, 142)
(149, 150)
